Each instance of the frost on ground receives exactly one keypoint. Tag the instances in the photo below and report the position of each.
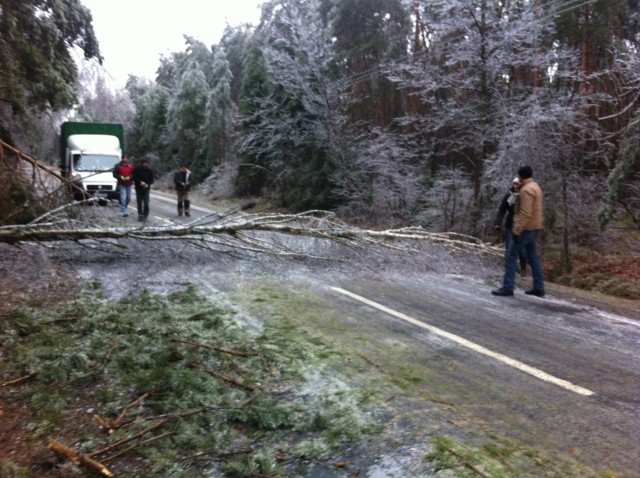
(260, 287)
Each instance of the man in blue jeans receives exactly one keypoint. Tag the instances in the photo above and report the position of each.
(528, 220)
(123, 172)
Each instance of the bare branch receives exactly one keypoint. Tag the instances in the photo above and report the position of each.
(252, 233)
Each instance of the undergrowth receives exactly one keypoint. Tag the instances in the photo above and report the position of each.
(499, 459)
(199, 392)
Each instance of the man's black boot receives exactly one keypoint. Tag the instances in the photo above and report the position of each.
(502, 292)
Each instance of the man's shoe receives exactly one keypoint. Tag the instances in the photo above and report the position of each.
(187, 214)
(502, 292)
(536, 292)
(140, 218)
(179, 214)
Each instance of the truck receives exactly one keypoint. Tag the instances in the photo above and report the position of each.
(88, 154)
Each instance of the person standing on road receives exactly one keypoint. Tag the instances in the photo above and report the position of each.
(123, 172)
(528, 220)
(504, 221)
(182, 180)
(143, 178)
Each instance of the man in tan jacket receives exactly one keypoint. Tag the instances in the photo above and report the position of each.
(528, 220)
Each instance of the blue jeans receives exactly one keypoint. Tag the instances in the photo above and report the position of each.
(125, 197)
(508, 242)
(524, 243)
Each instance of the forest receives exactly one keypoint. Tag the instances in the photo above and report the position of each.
(388, 112)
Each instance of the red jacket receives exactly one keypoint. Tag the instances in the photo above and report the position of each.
(123, 173)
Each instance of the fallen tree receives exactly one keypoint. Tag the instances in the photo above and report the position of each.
(234, 229)
(251, 232)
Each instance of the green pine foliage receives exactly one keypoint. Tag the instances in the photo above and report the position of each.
(222, 393)
(38, 70)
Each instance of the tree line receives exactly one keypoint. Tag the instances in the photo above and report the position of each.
(391, 112)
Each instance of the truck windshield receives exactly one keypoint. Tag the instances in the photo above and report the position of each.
(95, 162)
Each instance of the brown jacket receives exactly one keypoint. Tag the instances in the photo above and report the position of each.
(529, 208)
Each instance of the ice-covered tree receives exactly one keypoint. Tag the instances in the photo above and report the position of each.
(370, 34)
(253, 176)
(99, 99)
(291, 126)
(221, 111)
(147, 137)
(38, 69)
(186, 117)
(377, 180)
(219, 129)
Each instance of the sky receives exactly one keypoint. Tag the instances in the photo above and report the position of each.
(134, 34)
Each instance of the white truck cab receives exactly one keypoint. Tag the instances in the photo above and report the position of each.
(92, 158)
(88, 154)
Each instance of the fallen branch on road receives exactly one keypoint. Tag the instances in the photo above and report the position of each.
(79, 458)
(248, 233)
(230, 231)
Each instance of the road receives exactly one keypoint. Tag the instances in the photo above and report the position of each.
(542, 370)
(163, 210)
(552, 373)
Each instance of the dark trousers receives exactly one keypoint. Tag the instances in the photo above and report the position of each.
(142, 197)
(184, 202)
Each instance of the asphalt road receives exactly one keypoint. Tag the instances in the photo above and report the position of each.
(164, 210)
(553, 373)
(541, 370)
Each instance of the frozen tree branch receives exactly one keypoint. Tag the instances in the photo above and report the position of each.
(248, 233)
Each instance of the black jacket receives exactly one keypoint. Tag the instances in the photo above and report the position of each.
(144, 174)
(180, 177)
(506, 210)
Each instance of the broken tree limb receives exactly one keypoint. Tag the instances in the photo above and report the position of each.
(232, 381)
(234, 232)
(128, 439)
(78, 458)
(17, 381)
(217, 349)
(133, 447)
(250, 233)
(110, 424)
(227, 378)
(51, 188)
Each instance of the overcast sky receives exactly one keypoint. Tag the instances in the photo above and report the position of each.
(133, 34)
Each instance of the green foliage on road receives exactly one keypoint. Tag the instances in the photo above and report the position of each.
(277, 384)
(223, 396)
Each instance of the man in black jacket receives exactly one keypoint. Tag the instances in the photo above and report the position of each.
(143, 178)
(504, 220)
(182, 180)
